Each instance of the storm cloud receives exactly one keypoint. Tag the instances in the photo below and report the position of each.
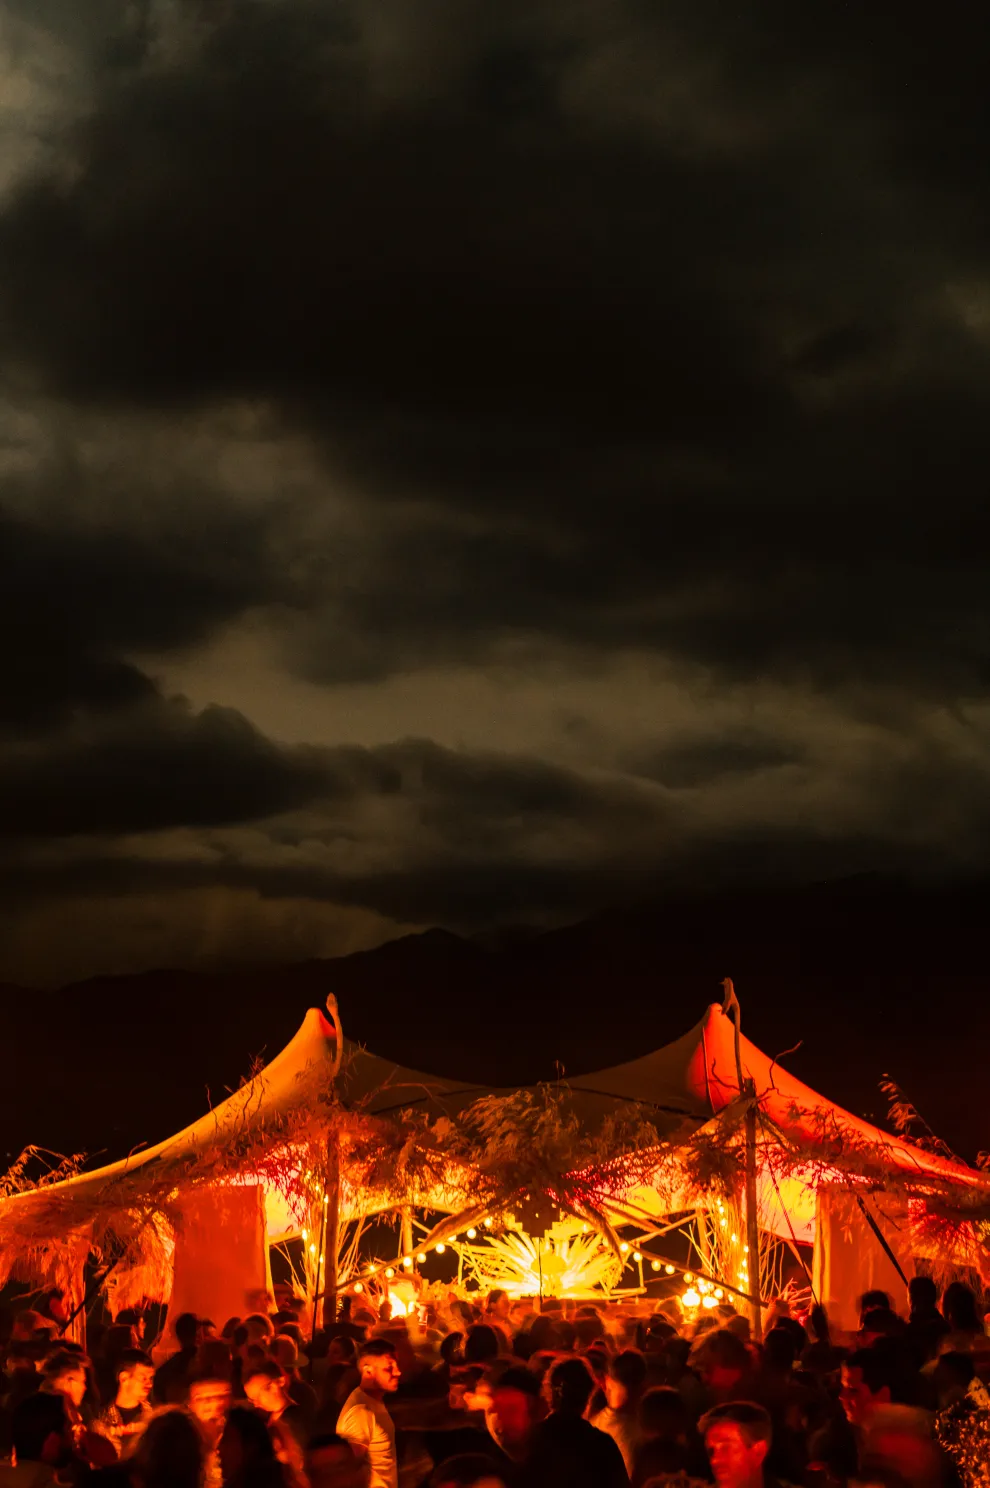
(464, 463)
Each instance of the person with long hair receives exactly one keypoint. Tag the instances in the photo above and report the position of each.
(169, 1453)
(247, 1452)
(625, 1378)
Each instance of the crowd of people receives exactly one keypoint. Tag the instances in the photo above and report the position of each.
(489, 1393)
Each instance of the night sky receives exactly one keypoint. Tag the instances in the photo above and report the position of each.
(467, 462)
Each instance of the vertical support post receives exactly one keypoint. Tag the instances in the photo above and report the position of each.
(407, 1232)
(752, 1215)
(332, 1229)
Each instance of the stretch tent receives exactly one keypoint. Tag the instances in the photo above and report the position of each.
(683, 1087)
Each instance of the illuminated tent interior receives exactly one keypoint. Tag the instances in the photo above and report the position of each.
(192, 1220)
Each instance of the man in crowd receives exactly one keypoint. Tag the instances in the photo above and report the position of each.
(737, 1440)
(125, 1418)
(42, 1442)
(364, 1420)
(172, 1380)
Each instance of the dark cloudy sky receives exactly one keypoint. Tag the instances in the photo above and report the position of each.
(470, 460)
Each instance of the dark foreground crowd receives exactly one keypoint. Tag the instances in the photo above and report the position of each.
(504, 1396)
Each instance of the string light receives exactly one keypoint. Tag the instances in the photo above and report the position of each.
(358, 1286)
(691, 1298)
(441, 1248)
(421, 1257)
(688, 1277)
(624, 1247)
(637, 1256)
(472, 1233)
(670, 1270)
(654, 1265)
(407, 1261)
(719, 1294)
(389, 1272)
(488, 1224)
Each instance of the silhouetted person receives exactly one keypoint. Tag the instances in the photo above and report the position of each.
(568, 1452)
(926, 1326)
(172, 1379)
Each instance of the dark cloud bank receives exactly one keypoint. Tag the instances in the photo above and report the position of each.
(605, 332)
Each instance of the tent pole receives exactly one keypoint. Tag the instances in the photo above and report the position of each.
(407, 1232)
(332, 1230)
(752, 1216)
(747, 1089)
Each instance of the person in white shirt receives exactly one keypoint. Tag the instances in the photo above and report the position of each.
(364, 1421)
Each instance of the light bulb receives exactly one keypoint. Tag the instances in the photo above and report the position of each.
(488, 1224)
(670, 1270)
(624, 1247)
(305, 1234)
(407, 1261)
(691, 1298)
(637, 1256)
(654, 1265)
(688, 1277)
(708, 1302)
(358, 1287)
(719, 1294)
(312, 1249)
(389, 1272)
(735, 1239)
(421, 1257)
(472, 1233)
(441, 1248)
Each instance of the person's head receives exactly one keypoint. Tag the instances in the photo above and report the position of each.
(922, 1294)
(209, 1401)
(625, 1376)
(468, 1470)
(723, 1361)
(187, 1330)
(953, 1377)
(342, 1350)
(779, 1350)
(40, 1430)
(499, 1306)
(588, 1330)
(818, 1325)
(737, 1439)
(264, 1386)
(135, 1377)
(868, 1381)
(959, 1309)
(259, 1328)
(480, 1345)
(246, 1443)
(26, 1326)
(664, 1415)
(331, 1462)
(170, 1452)
(512, 1407)
(571, 1383)
(64, 1373)
(230, 1327)
(874, 1301)
(899, 1440)
(285, 1353)
(378, 1366)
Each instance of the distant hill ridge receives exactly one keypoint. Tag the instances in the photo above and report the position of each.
(873, 977)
